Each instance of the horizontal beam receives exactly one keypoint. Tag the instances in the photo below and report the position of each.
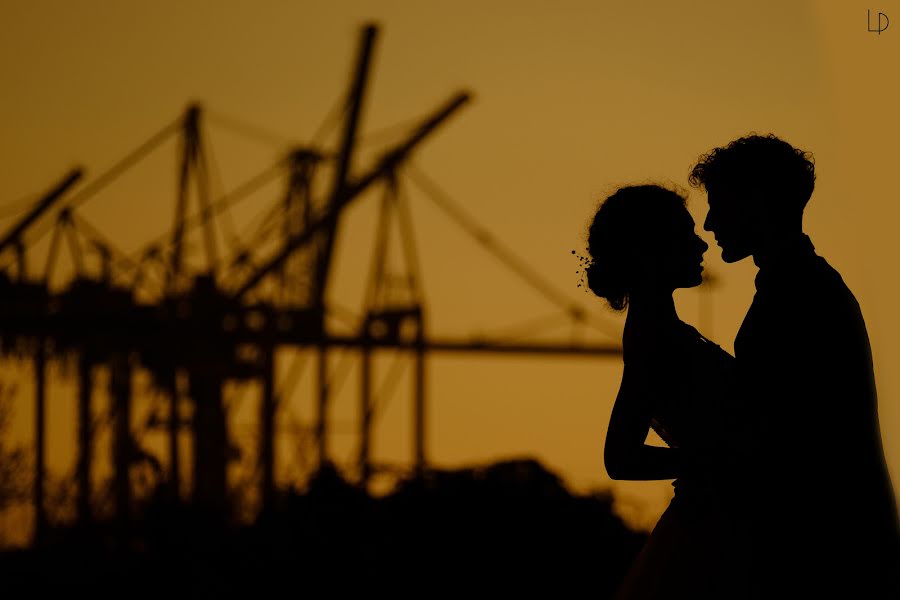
(463, 346)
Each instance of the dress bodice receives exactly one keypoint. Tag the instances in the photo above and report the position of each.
(690, 378)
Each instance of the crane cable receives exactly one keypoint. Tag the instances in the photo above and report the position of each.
(483, 237)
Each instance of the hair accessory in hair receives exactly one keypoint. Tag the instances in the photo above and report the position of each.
(584, 263)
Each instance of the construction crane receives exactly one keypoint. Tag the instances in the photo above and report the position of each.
(195, 329)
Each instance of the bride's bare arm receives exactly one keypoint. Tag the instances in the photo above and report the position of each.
(626, 456)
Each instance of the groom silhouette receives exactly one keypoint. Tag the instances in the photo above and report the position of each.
(810, 485)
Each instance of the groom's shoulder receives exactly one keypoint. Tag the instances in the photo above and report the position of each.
(828, 279)
(809, 285)
(825, 288)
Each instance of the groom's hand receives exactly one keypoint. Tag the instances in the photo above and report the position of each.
(700, 464)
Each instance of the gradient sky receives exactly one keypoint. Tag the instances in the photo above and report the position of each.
(571, 99)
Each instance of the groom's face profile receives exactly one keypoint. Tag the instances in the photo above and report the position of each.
(730, 219)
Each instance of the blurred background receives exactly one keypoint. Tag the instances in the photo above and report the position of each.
(356, 245)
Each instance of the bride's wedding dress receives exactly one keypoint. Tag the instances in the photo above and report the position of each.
(696, 549)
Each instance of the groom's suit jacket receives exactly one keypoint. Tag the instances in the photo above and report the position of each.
(819, 500)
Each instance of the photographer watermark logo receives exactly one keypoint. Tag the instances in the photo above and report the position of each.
(880, 24)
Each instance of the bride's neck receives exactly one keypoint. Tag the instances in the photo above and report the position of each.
(652, 304)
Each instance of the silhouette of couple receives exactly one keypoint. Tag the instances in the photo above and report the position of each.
(781, 489)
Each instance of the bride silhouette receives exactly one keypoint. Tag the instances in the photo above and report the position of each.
(643, 246)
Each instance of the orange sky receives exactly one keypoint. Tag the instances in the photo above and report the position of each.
(570, 100)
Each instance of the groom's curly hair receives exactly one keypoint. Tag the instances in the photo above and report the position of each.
(758, 162)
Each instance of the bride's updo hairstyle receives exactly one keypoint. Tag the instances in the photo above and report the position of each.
(633, 222)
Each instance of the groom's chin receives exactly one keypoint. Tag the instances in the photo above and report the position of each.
(732, 256)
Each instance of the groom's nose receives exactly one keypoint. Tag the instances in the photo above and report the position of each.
(708, 223)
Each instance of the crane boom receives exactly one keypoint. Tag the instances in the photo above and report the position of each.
(387, 164)
(41, 207)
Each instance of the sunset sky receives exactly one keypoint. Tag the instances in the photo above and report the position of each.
(570, 100)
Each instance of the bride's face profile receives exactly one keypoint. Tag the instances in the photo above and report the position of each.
(682, 265)
(642, 242)
(673, 257)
